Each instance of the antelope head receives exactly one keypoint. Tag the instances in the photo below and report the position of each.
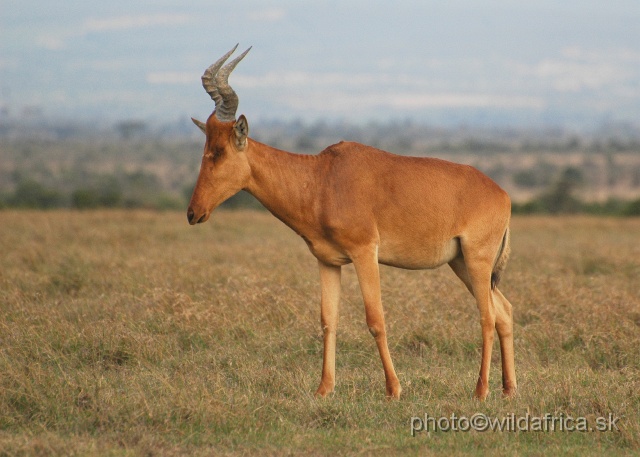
(225, 169)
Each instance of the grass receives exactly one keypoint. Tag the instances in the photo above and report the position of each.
(130, 333)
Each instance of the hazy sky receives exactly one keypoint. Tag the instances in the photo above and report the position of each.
(508, 61)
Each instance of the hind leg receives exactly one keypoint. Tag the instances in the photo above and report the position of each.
(460, 269)
(477, 277)
(480, 277)
(503, 325)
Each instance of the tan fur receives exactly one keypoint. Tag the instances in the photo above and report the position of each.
(356, 204)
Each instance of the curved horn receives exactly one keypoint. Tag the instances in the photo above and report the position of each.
(210, 73)
(215, 82)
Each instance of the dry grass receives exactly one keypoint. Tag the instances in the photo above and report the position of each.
(130, 333)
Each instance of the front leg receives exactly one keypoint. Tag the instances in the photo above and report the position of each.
(330, 298)
(367, 270)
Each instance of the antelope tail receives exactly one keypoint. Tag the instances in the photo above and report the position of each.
(501, 260)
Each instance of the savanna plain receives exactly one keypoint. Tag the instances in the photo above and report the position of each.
(131, 333)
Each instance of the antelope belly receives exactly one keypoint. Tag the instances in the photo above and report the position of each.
(418, 256)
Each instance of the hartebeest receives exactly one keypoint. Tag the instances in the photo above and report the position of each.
(353, 203)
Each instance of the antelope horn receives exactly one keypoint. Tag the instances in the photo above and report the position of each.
(209, 75)
(215, 82)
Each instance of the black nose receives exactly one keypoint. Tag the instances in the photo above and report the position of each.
(190, 215)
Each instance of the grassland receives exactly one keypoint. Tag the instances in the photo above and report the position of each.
(130, 333)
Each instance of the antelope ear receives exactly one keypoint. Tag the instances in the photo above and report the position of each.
(241, 131)
(201, 125)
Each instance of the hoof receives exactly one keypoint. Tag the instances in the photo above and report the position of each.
(323, 391)
(480, 396)
(482, 391)
(394, 391)
(509, 392)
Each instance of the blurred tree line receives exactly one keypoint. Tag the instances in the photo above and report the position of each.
(129, 190)
(546, 174)
(106, 173)
(143, 190)
(560, 197)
